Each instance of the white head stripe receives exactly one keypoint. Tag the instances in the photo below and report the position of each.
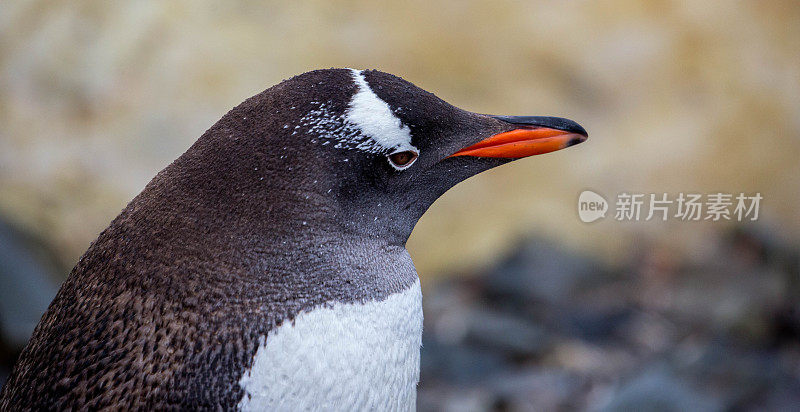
(375, 119)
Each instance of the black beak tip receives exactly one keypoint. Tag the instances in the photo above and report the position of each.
(576, 140)
(558, 123)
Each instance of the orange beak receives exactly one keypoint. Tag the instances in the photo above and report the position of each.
(531, 139)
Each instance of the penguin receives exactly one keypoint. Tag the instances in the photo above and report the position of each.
(265, 268)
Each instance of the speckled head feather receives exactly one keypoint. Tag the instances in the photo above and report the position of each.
(288, 203)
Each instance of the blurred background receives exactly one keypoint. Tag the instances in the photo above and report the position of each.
(527, 308)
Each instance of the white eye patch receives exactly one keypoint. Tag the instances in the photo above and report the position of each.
(375, 119)
(367, 124)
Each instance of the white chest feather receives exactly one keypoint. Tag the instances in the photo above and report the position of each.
(362, 356)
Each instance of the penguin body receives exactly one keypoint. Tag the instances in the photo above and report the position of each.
(266, 268)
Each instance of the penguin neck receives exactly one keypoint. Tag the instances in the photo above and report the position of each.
(256, 248)
(260, 212)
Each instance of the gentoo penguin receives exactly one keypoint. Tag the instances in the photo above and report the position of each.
(265, 268)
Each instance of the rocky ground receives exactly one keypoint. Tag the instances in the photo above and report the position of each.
(547, 329)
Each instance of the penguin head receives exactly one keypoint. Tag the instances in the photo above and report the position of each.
(364, 152)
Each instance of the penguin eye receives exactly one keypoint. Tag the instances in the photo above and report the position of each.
(402, 160)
